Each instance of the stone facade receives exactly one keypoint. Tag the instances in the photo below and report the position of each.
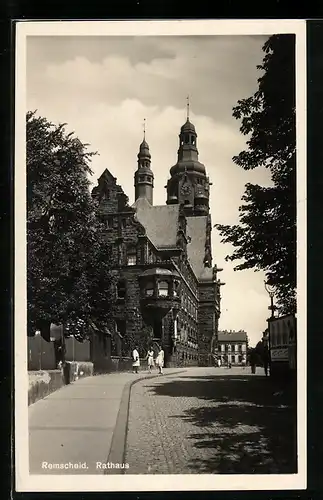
(167, 292)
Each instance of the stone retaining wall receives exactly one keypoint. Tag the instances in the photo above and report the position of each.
(42, 383)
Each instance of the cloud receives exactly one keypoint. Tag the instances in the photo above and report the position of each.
(105, 99)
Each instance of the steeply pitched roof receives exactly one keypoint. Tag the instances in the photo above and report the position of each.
(196, 231)
(160, 222)
(232, 337)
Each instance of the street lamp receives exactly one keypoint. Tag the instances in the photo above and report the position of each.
(271, 292)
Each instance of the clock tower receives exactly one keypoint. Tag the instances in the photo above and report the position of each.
(188, 184)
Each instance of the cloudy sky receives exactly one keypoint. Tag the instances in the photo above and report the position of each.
(104, 87)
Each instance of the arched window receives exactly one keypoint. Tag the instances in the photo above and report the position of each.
(187, 139)
(163, 289)
(192, 139)
(149, 289)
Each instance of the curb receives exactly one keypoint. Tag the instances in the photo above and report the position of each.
(117, 451)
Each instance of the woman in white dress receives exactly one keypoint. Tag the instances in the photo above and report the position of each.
(160, 360)
(150, 357)
(136, 360)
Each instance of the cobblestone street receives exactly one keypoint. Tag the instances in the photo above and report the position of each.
(210, 420)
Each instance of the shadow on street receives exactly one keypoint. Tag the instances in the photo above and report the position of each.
(249, 421)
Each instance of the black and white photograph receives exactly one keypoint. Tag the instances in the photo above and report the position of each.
(160, 272)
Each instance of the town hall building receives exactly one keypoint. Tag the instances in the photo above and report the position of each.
(168, 290)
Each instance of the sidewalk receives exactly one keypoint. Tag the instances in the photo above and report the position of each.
(83, 423)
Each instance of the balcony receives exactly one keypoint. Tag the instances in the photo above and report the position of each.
(159, 290)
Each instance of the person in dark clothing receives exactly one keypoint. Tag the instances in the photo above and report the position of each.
(253, 361)
(266, 360)
(59, 346)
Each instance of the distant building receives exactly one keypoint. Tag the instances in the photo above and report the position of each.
(232, 347)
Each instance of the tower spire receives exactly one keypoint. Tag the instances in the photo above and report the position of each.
(188, 107)
(144, 128)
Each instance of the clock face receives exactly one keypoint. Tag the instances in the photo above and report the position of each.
(186, 189)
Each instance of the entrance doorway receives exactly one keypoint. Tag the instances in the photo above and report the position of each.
(158, 329)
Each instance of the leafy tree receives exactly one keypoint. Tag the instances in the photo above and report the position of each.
(265, 239)
(67, 259)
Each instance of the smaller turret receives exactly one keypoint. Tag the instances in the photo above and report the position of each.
(144, 177)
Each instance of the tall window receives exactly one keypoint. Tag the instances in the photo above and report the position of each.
(131, 256)
(121, 326)
(163, 289)
(176, 288)
(121, 289)
(149, 290)
(150, 256)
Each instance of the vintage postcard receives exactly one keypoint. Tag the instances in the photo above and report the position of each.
(160, 255)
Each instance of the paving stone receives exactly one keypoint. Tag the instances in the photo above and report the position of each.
(210, 420)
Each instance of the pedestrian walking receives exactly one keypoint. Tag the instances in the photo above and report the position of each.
(160, 360)
(136, 360)
(219, 363)
(150, 358)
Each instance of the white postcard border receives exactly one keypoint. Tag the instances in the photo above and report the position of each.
(190, 482)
